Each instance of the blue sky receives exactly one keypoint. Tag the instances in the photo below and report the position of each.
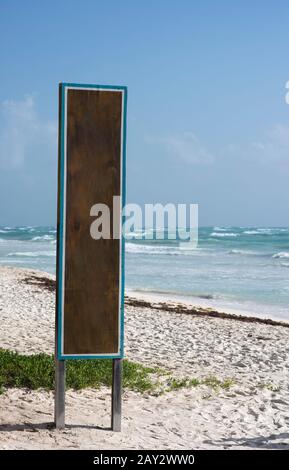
(207, 118)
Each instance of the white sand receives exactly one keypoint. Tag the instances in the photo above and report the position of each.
(253, 413)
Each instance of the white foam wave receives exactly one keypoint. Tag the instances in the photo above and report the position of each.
(252, 232)
(272, 229)
(281, 254)
(265, 231)
(31, 254)
(43, 237)
(161, 249)
(223, 234)
(286, 265)
(149, 249)
(136, 234)
(243, 252)
(220, 229)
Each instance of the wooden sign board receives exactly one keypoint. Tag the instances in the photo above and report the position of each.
(90, 272)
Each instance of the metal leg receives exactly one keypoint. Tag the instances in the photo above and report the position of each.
(59, 406)
(116, 394)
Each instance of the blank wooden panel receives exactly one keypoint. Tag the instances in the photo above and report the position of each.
(91, 297)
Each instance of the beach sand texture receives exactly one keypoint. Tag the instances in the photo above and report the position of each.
(252, 413)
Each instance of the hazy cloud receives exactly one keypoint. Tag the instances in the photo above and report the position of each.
(270, 151)
(23, 135)
(28, 164)
(185, 146)
(275, 147)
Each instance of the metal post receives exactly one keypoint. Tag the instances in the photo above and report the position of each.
(59, 406)
(116, 394)
(59, 394)
(59, 397)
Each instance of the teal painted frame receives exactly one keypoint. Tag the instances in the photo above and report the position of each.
(60, 242)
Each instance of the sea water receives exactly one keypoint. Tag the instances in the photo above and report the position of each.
(233, 268)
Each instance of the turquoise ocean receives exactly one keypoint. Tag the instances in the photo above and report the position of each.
(237, 268)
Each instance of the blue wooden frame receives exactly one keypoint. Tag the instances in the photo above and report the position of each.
(60, 238)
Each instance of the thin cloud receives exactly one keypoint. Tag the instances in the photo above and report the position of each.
(275, 147)
(270, 151)
(186, 147)
(23, 135)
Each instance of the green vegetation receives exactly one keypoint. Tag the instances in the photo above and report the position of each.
(176, 384)
(37, 371)
(213, 382)
(216, 383)
(270, 386)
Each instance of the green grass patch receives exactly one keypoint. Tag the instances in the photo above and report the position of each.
(37, 371)
(270, 386)
(216, 383)
(212, 382)
(176, 384)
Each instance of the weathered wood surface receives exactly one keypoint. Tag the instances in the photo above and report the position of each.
(92, 269)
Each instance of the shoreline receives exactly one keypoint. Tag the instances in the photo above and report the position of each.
(189, 309)
(202, 303)
(162, 302)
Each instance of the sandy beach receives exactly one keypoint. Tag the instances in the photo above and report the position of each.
(253, 412)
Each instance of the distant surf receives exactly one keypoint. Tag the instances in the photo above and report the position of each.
(233, 267)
